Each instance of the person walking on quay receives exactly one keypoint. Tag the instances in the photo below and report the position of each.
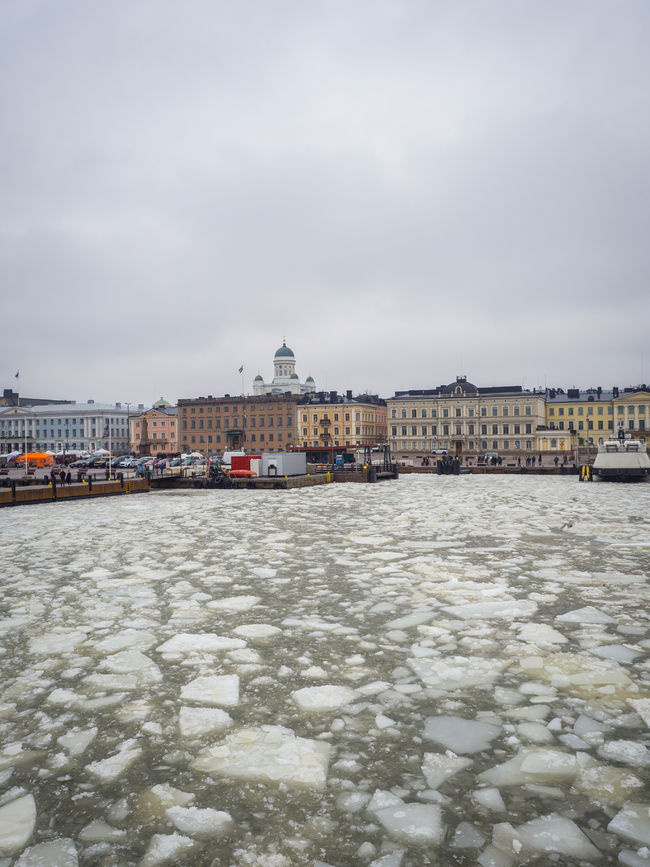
(540, 460)
(533, 460)
(555, 460)
(68, 478)
(62, 475)
(518, 462)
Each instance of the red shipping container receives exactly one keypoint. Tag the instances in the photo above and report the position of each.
(241, 462)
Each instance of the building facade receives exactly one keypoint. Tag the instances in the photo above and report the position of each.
(155, 431)
(213, 425)
(285, 379)
(465, 419)
(584, 419)
(330, 419)
(69, 427)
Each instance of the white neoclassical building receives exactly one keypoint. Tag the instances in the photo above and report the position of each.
(285, 378)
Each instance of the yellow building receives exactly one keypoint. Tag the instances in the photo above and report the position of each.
(585, 419)
(330, 419)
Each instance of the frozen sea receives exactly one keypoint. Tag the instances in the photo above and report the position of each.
(436, 670)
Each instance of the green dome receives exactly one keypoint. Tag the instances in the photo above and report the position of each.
(284, 352)
(294, 376)
(258, 378)
(309, 379)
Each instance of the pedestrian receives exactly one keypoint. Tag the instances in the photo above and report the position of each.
(518, 462)
(540, 460)
(533, 460)
(68, 478)
(62, 475)
(555, 460)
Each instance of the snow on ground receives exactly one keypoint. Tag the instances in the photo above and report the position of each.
(434, 670)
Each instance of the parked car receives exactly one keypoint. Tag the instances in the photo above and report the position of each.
(438, 451)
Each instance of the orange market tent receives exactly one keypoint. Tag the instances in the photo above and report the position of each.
(39, 459)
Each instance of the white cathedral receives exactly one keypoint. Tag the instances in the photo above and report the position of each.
(285, 377)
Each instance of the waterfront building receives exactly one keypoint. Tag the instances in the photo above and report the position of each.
(331, 419)
(261, 423)
(583, 419)
(285, 379)
(64, 427)
(10, 397)
(154, 431)
(465, 419)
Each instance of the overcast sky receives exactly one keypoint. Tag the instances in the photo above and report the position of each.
(406, 190)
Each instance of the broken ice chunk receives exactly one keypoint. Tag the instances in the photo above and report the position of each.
(533, 766)
(57, 853)
(214, 689)
(460, 735)
(606, 784)
(76, 741)
(617, 652)
(632, 823)
(269, 754)
(380, 800)
(628, 752)
(257, 631)
(17, 820)
(234, 603)
(164, 848)
(196, 721)
(490, 798)
(438, 768)
(57, 643)
(201, 824)
(133, 662)
(467, 836)
(100, 832)
(413, 824)
(493, 610)
(111, 768)
(124, 640)
(319, 699)
(185, 642)
(555, 833)
(587, 615)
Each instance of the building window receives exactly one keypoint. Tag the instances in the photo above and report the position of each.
(517, 444)
(484, 445)
(424, 413)
(459, 430)
(529, 428)
(495, 445)
(600, 410)
(505, 410)
(630, 424)
(193, 438)
(495, 429)
(560, 425)
(529, 445)
(414, 414)
(484, 430)
(515, 410)
(434, 429)
(403, 415)
(445, 413)
(393, 413)
(424, 430)
(581, 425)
(471, 430)
(414, 431)
(553, 444)
(495, 410)
(434, 413)
(458, 412)
(506, 444)
(506, 428)
(445, 430)
(347, 431)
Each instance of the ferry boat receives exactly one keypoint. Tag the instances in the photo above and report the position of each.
(622, 459)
